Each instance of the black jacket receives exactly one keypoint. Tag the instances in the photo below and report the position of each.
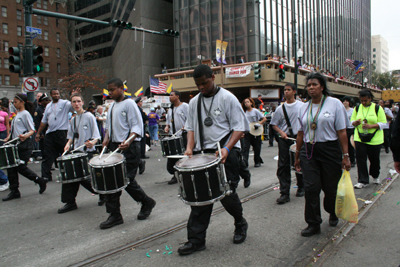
(395, 142)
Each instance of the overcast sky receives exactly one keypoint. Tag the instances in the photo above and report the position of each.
(385, 20)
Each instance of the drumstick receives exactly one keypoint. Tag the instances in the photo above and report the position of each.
(82, 146)
(101, 154)
(219, 150)
(115, 151)
(176, 133)
(290, 138)
(64, 153)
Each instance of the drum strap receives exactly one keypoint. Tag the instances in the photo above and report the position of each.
(173, 119)
(287, 121)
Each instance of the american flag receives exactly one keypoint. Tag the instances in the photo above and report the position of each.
(157, 87)
(353, 64)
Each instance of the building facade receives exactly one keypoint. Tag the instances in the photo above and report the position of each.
(53, 40)
(380, 53)
(126, 54)
(328, 31)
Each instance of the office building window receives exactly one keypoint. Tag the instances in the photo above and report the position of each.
(44, 4)
(374, 61)
(46, 67)
(21, 79)
(57, 23)
(46, 35)
(57, 7)
(6, 79)
(374, 56)
(39, 19)
(374, 50)
(1, 80)
(5, 28)
(5, 46)
(19, 30)
(48, 82)
(0, 62)
(6, 65)
(58, 67)
(39, 3)
(45, 20)
(58, 37)
(4, 11)
(19, 14)
(58, 52)
(46, 51)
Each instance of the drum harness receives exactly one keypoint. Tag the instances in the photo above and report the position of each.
(287, 121)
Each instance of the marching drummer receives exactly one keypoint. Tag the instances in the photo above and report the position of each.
(221, 116)
(82, 130)
(176, 119)
(252, 115)
(124, 121)
(286, 124)
(22, 127)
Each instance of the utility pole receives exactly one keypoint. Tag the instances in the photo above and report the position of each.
(27, 52)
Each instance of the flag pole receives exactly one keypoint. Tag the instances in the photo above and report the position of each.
(150, 85)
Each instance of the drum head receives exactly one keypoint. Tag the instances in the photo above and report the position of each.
(72, 156)
(197, 161)
(293, 147)
(116, 158)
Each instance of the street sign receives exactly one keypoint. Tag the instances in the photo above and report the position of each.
(33, 30)
(31, 84)
(34, 35)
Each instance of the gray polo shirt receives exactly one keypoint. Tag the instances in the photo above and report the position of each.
(254, 115)
(85, 125)
(21, 124)
(332, 118)
(390, 114)
(56, 115)
(349, 113)
(126, 119)
(180, 117)
(226, 113)
(293, 114)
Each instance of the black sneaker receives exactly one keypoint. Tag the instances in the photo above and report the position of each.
(146, 209)
(189, 248)
(113, 220)
(173, 180)
(283, 199)
(12, 195)
(142, 166)
(240, 231)
(311, 230)
(333, 220)
(42, 184)
(300, 192)
(68, 207)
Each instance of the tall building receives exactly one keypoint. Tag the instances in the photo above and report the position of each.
(328, 31)
(127, 54)
(53, 40)
(380, 53)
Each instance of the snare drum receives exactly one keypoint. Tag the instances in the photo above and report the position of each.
(108, 176)
(9, 157)
(74, 168)
(172, 146)
(202, 180)
(292, 154)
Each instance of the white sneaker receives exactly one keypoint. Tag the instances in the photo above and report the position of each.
(360, 185)
(375, 180)
(4, 187)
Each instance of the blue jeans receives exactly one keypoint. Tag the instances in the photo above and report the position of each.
(3, 178)
(153, 129)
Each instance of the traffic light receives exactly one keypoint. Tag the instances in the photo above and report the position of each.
(169, 32)
(257, 71)
(15, 58)
(121, 24)
(37, 59)
(281, 72)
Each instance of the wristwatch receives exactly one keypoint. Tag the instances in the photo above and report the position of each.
(346, 154)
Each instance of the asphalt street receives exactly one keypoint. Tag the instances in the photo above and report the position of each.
(33, 234)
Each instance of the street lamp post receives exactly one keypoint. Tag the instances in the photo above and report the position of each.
(299, 54)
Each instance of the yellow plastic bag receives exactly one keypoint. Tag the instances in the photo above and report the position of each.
(346, 204)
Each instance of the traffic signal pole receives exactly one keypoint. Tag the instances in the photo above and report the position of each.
(27, 52)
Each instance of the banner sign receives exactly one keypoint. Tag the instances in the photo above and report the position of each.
(236, 72)
(218, 52)
(224, 46)
(265, 93)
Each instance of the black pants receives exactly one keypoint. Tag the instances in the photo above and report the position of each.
(255, 142)
(170, 165)
(364, 152)
(351, 150)
(54, 144)
(386, 138)
(132, 156)
(199, 218)
(69, 191)
(24, 155)
(322, 171)
(272, 135)
(284, 167)
(143, 145)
